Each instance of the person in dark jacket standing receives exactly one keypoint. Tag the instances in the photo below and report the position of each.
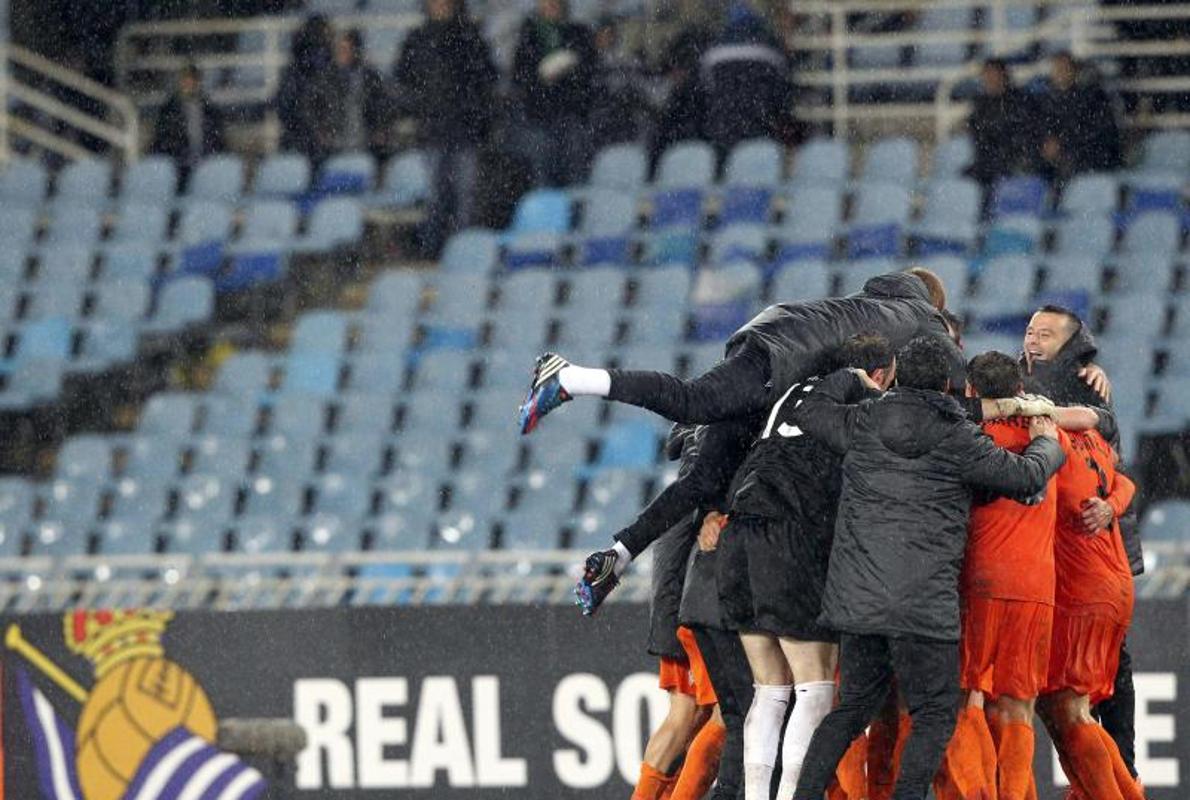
(911, 460)
(1081, 131)
(446, 80)
(308, 104)
(554, 74)
(745, 74)
(366, 106)
(1003, 119)
(188, 126)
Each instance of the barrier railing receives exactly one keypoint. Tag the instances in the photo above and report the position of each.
(231, 581)
(50, 121)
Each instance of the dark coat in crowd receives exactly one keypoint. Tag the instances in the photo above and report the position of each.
(171, 134)
(911, 460)
(1003, 131)
(308, 103)
(800, 338)
(376, 105)
(745, 75)
(446, 79)
(1058, 380)
(670, 554)
(1083, 121)
(570, 95)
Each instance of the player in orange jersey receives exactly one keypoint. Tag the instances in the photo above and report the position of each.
(1007, 591)
(1092, 610)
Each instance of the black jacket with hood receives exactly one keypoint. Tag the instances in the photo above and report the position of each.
(911, 459)
(800, 338)
(1058, 380)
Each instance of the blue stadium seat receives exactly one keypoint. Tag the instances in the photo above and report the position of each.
(365, 414)
(1005, 286)
(218, 179)
(723, 299)
(85, 181)
(677, 208)
(810, 225)
(16, 512)
(106, 344)
(627, 445)
(429, 410)
(661, 286)
(377, 372)
(1018, 234)
(84, 457)
(1167, 521)
(120, 300)
(492, 451)
(146, 497)
(55, 300)
(272, 221)
(335, 222)
(68, 264)
(206, 503)
(463, 530)
(686, 164)
(298, 415)
(281, 456)
(542, 211)
(282, 175)
(472, 251)
(73, 224)
(73, 504)
(952, 157)
(329, 533)
(446, 371)
(34, 382)
(152, 453)
(937, 20)
(1020, 194)
(622, 167)
(745, 204)
(396, 294)
(225, 457)
(950, 220)
(23, 183)
(133, 535)
(358, 456)
(952, 271)
(348, 173)
(204, 221)
(48, 339)
(892, 160)
(343, 495)
(880, 204)
(531, 530)
(129, 261)
(17, 226)
(1166, 152)
(408, 180)
(423, 449)
(152, 181)
(805, 280)
(757, 162)
(409, 493)
(608, 220)
(1154, 234)
(1141, 315)
(320, 332)
(533, 250)
(280, 497)
(855, 274)
(139, 223)
(404, 530)
(229, 416)
(262, 534)
(1095, 193)
(246, 374)
(739, 242)
(182, 302)
(821, 161)
(596, 287)
(311, 373)
(1085, 234)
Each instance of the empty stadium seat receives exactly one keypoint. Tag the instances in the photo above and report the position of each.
(347, 173)
(217, 179)
(152, 181)
(474, 250)
(542, 211)
(182, 302)
(85, 181)
(335, 222)
(23, 182)
(891, 160)
(821, 161)
(757, 162)
(282, 175)
(622, 167)
(407, 180)
(686, 164)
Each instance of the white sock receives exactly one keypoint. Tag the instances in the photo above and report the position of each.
(813, 702)
(762, 738)
(579, 381)
(623, 558)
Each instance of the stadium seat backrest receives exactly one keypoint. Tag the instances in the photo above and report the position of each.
(282, 175)
(1154, 233)
(151, 181)
(1020, 194)
(84, 457)
(335, 221)
(891, 160)
(542, 211)
(64, 266)
(204, 221)
(23, 183)
(1166, 151)
(311, 372)
(218, 178)
(475, 250)
(271, 220)
(952, 157)
(1091, 193)
(141, 222)
(880, 204)
(804, 280)
(86, 181)
(129, 261)
(608, 212)
(757, 162)
(621, 166)
(17, 226)
(1167, 520)
(120, 300)
(821, 161)
(185, 300)
(72, 223)
(407, 179)
(349, 173)
(320, 332)
(1087, 234)
(48, 338)
(686, 164)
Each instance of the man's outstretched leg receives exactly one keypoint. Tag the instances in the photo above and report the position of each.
(735, 387)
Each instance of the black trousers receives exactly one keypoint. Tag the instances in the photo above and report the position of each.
(732, 679)
(735, 387)
(1117, 714)
(927, 672)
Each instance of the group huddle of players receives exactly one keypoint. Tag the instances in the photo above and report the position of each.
(879, 558)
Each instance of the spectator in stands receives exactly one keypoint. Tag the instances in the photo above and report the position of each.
(367, 110)
(553, 73)
(188, 126)
(684, 108)
(1081, 132)
(1002, 122)
(619, 105)
(445, 80)
(308, 103)
(746, 78)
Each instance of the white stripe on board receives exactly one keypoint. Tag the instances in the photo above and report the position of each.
(207, 774)
(59, 770)
(164, 770)
(240, 786)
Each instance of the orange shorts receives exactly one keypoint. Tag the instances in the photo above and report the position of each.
(690, 676)
(1005, 646)
(1085, 653)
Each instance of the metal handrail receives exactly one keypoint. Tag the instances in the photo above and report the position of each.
(118, 125)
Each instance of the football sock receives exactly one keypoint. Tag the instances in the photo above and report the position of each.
(652, 783)
(1015, 756)
(702, 762)
(961, 774)
(579, 381)
(986, 747)
(851, 780)
(762, 738)
(623, 558)
(812, 702)
(1090, 763)
(1124, 781)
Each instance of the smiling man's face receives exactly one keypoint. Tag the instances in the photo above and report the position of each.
(1045, 336)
